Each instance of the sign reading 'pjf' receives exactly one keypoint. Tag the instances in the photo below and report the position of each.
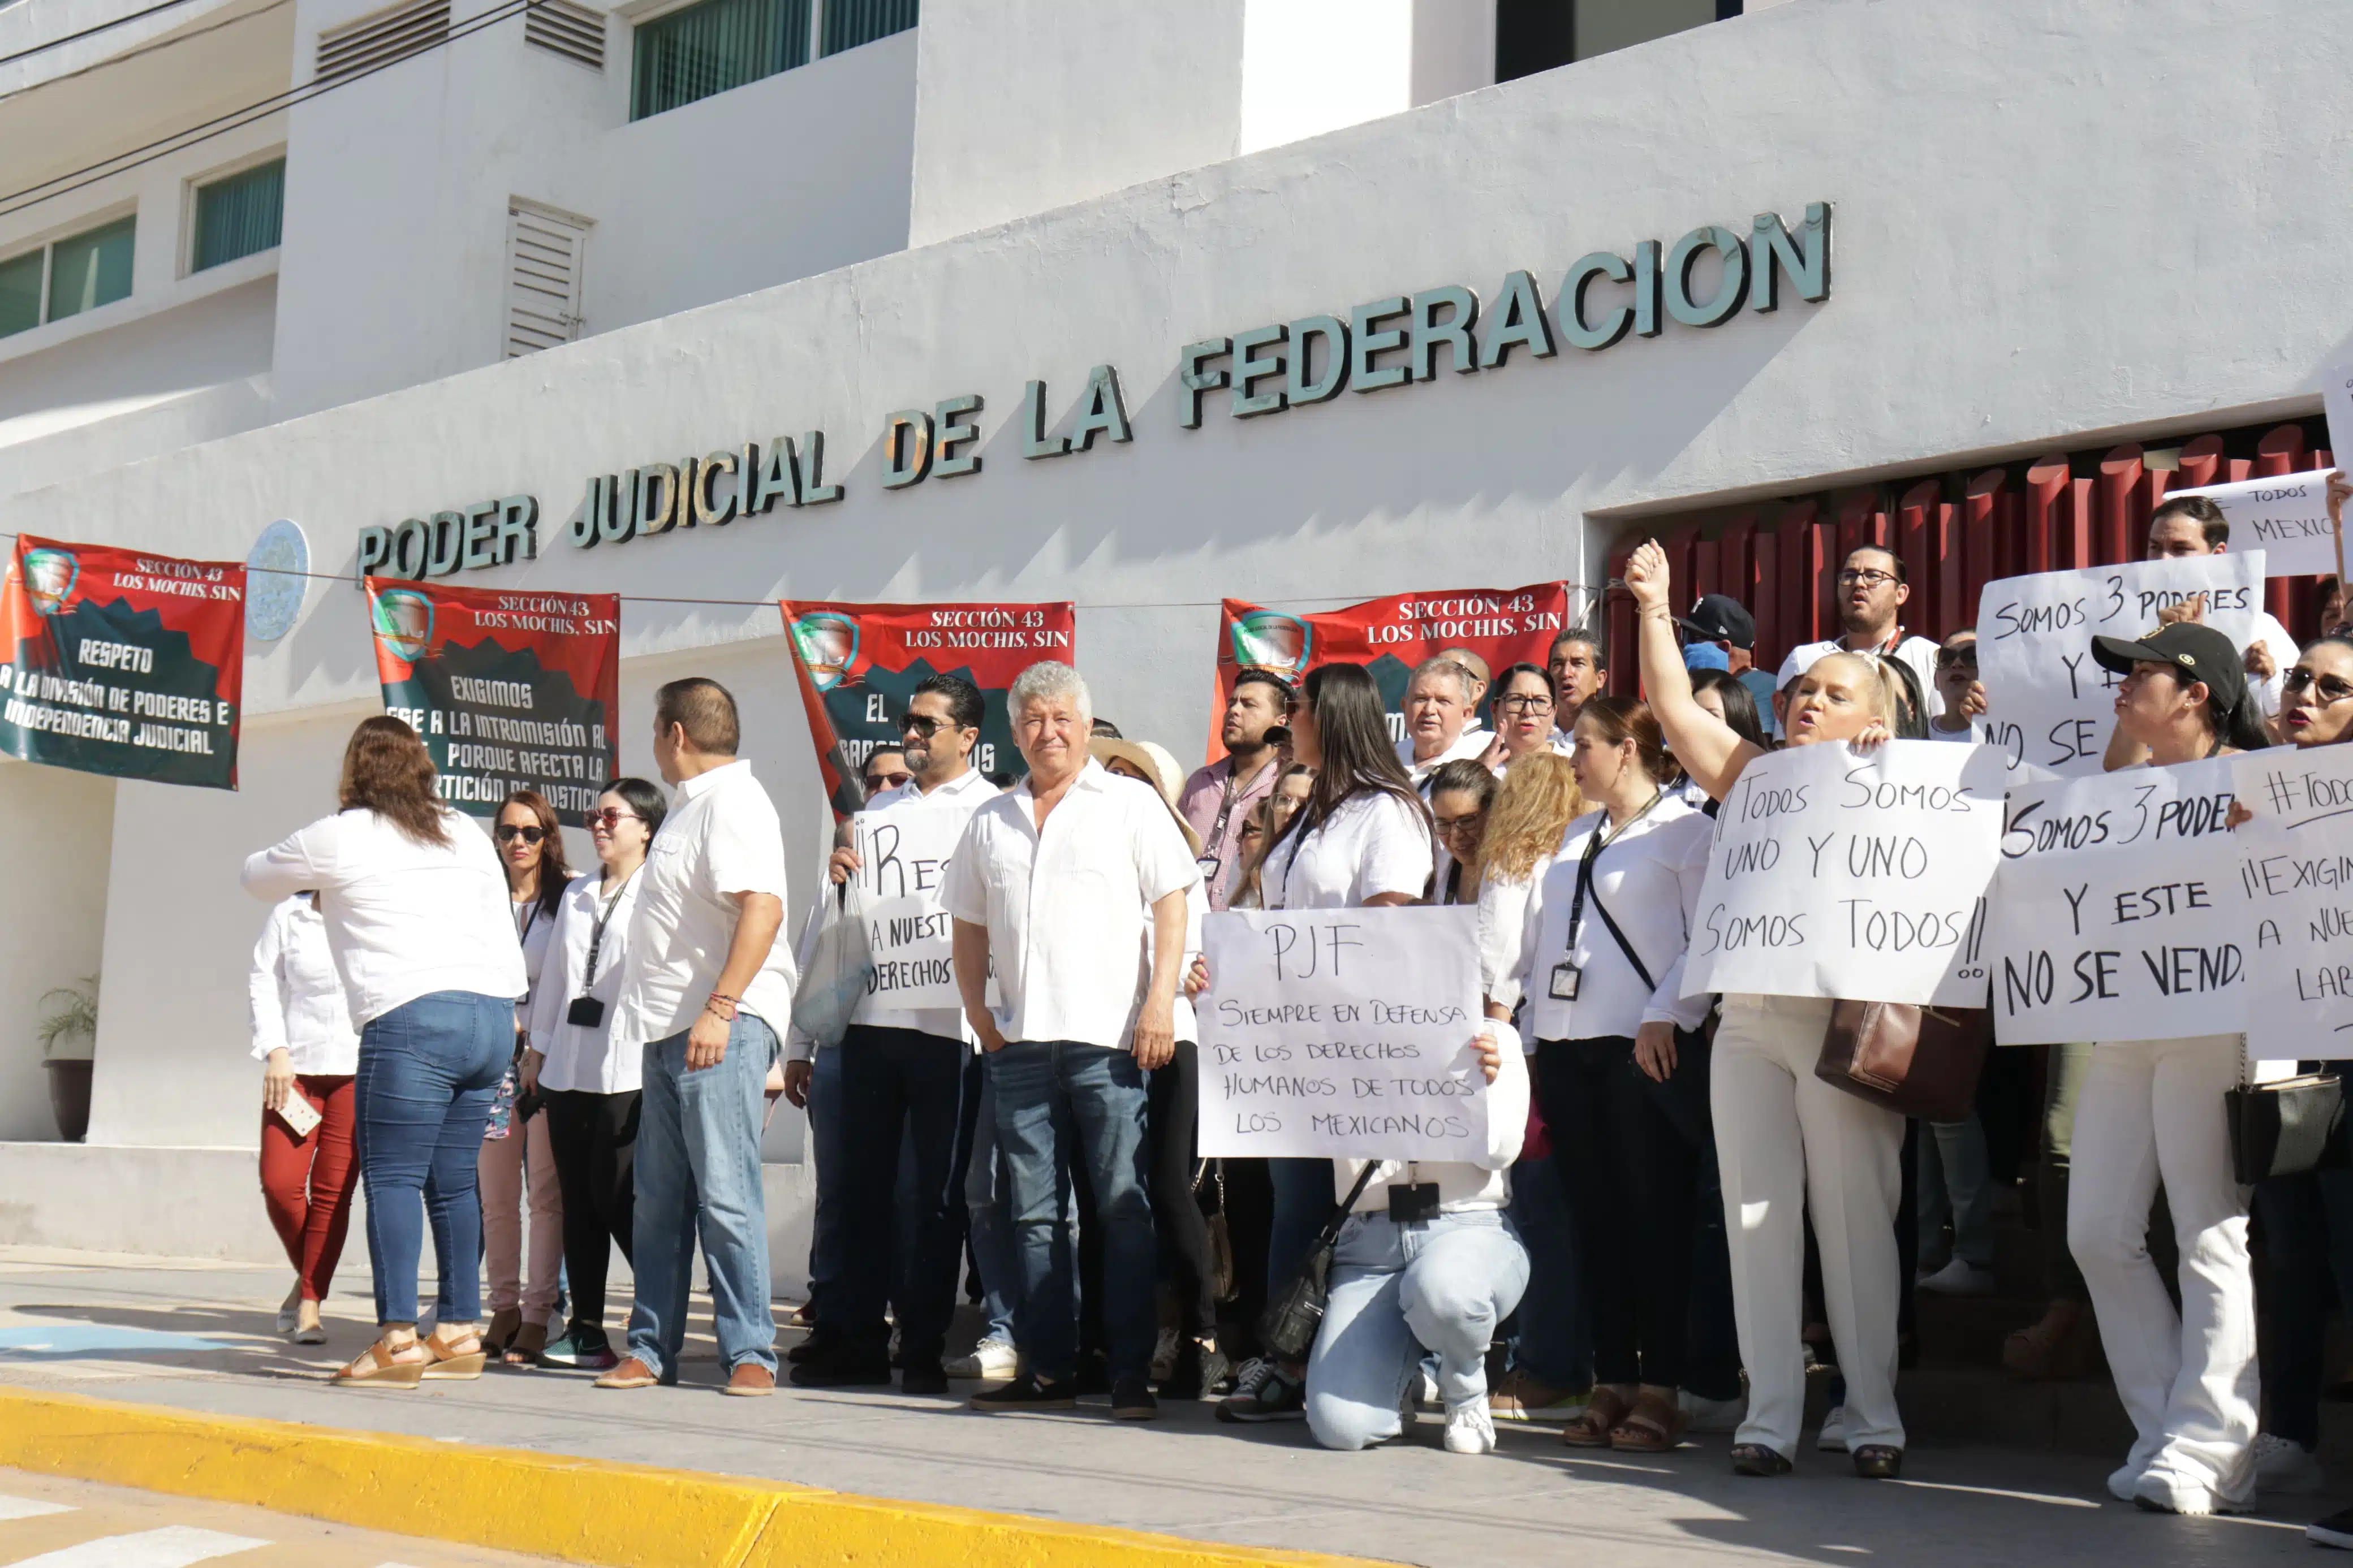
(1342, 1033)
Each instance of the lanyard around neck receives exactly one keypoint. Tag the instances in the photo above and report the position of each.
(1593, 849)
(597, 934)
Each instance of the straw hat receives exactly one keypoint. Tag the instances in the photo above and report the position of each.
(1157, 764)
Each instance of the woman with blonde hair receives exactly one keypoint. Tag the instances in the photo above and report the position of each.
(417, 915)
(1787, 1143)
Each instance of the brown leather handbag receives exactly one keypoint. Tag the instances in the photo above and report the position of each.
(1914, 1061)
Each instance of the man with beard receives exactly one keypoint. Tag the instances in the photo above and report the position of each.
(1872, 594)
(908, 1073)
(1218, 799)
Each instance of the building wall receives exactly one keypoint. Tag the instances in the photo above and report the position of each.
(58, 877)
(1979, 310)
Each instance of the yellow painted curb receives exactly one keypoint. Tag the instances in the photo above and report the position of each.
(584, 1510)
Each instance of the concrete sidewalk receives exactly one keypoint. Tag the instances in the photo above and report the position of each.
(197, 1337)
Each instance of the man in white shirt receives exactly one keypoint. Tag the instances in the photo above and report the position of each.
(905, 1076)
(1580, 671)
(1049, 888)
(704, 989)
(1872, 596)
(1438, 703)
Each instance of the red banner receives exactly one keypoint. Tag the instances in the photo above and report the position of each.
(859, 664)
(1389, 636)
(116, 661)
(509, 689)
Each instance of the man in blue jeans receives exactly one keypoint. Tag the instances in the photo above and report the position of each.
(1072, 885)
(705, 989)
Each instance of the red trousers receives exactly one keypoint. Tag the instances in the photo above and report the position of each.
(308, 1182)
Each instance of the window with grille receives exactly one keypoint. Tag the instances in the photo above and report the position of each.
(67, 277)
(381, 37)
(707, 49)
(561, 27)
(544, 255)
(850, 23)
(238, 216)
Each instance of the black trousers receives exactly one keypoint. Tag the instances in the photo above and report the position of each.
(594, 1138)
(904, 1085)
(1632, 1176)
(1173, 1097)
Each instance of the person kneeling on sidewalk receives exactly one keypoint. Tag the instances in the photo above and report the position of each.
(1401, 1287)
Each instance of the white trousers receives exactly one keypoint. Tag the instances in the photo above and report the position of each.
(1787, 1140)
(2153, 1109)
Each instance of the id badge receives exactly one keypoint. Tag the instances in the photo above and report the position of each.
(1418, 1202)
(1207, 865)
(1564, 979)
(586, 1012)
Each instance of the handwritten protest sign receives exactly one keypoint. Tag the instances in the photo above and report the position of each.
(2285, 518)
(1842, 873)
(2034, 643)
(2299, 876)
(2123, 911)
(902, 859)
(1342, 1033)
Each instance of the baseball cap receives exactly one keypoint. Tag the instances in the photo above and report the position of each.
(1720, 617)
(2199, 652)
(1704, 656)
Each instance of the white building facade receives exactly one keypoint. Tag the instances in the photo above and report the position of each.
(1826, 239)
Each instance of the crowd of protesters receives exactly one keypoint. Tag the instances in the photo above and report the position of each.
(1673, 1217)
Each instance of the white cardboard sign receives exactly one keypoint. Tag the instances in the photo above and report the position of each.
(1342, 1033)
(1857, 874)
(2299, 871)
(2285, 518)
(2337, 401)
(2034, 643)
(2122, 910)
(903, 855)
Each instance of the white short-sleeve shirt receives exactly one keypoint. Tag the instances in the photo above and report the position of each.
(1917, 652)
(1068, 908)
(722, 838)
(1374, 843)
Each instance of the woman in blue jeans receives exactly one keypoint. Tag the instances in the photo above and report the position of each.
(1400, 1286)
(417, 915)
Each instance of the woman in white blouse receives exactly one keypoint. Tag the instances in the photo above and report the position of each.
(517, 1165)
(1791, 1146)
(416, 918)
(1601, 966)
(303, 1034)
(591, 1092)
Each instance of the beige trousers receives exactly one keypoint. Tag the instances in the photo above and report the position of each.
(502, 1170)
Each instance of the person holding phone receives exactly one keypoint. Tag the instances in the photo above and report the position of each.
(303, 1034)
(589, 1092)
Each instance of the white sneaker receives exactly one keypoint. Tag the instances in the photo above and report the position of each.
(1714, 1415)
(1832, 1438)
(2121, 1483)
(1958, 1279)
(2161, 1490)
(1469, 1430)
(2286, 1466)
(992, 1360)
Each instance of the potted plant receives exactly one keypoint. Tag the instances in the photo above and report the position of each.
(68, 1041)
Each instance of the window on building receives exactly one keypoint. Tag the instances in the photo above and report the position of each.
(1532, 36)
(850, 23)
(67, 277)
(238, 216)
(710, 47)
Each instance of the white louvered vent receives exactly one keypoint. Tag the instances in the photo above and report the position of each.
(544, 255)
(381, 37)
(575, 32)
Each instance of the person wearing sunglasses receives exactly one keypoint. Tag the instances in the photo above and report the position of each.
(592, 1091)
(905, 1084)
(517, 1162)
(1872, 594)
(885, 770)
(1959, 691)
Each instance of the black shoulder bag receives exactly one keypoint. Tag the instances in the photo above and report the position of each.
(1287, 1329)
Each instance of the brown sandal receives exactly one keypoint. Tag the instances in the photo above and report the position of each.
(501, 1332)
(376, 1368)
(529, 1341)
(1654, 1425)
(447, 1364)
(1592, 1425)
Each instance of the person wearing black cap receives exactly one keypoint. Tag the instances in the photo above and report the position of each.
(2152, 1108)
(1721, 619)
